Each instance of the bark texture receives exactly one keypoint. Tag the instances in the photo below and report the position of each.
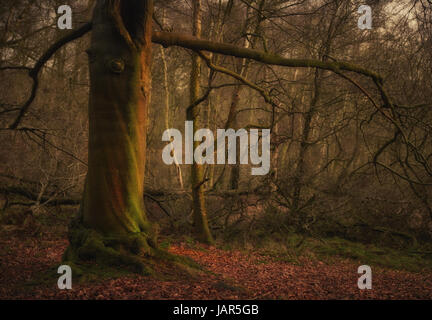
(200, 222)
(112, 225)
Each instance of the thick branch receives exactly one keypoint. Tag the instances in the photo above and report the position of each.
(176, 39)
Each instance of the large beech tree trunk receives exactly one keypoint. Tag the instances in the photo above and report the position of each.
(112, 225)
(120, 56)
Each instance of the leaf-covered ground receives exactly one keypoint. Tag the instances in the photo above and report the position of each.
(233, 275)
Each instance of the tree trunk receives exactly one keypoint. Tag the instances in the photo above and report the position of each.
(112, 226)
(200, 223)
(167, 114)
(242, 69)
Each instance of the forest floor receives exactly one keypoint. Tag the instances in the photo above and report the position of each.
(26, 259)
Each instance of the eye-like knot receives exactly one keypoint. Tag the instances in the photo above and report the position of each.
(116, 65)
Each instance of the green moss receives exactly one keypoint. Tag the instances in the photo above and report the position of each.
(94, 255)
(288, 246)
(413, 259)
(165, 244)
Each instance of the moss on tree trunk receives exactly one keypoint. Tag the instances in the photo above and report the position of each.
(112, 228)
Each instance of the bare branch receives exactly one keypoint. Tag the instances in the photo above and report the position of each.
(34, 72)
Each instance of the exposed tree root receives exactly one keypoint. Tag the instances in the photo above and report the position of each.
(90, 252)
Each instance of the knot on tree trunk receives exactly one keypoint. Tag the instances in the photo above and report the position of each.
(116, 65)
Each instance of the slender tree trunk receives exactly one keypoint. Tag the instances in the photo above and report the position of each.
(235, 98)
(282, 163)
(299, 175)
(167, 114)
(200, 222)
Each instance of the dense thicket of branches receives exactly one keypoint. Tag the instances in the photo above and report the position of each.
(344, 155)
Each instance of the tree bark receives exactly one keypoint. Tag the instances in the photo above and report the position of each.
(200, 222)
(119, 98)
(167, 114)
(235, 98)
(112, 227)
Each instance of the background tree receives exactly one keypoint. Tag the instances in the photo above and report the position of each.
(200, 221)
